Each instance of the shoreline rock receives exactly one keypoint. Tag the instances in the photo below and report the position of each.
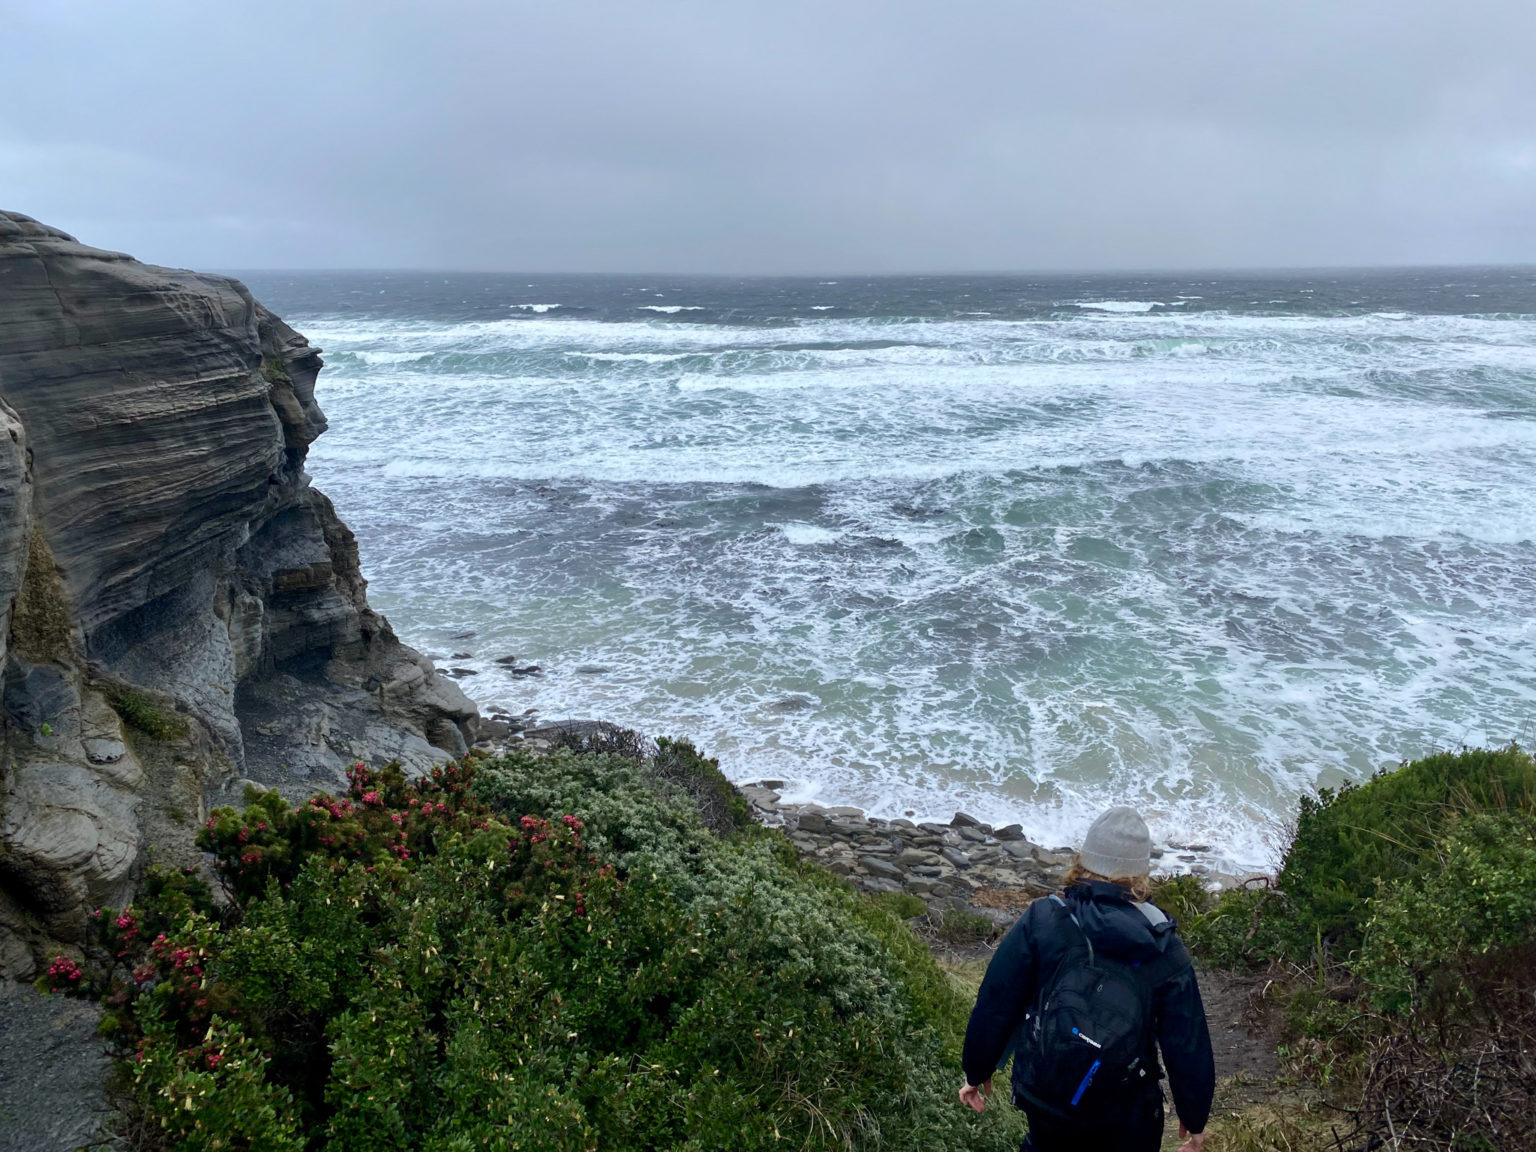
(965, 865)
(947, 866)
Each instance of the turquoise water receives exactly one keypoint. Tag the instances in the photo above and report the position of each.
(1018, 547)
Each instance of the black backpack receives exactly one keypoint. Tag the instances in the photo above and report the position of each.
(1086, 1049)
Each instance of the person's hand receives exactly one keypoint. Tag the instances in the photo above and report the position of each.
(1194, 1143)
(975, 1098)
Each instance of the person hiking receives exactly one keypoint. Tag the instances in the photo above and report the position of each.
(1084, 989)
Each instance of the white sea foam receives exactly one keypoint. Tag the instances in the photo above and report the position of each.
(809, 534)
(1020, 567)
(535, 307)
(671, 309)
(1121, 305)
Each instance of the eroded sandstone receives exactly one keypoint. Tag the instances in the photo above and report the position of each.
(179, 608)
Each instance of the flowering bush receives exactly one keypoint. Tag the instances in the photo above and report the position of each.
(382, 822)
(454, 963)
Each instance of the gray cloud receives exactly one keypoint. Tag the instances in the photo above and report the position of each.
(733, 135)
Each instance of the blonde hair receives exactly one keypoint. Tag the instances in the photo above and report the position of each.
(1140, 886)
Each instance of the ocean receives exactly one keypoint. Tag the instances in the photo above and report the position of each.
(1021, 546)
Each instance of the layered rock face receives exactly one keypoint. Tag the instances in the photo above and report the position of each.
(179, 609)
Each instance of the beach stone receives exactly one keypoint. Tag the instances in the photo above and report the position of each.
(955, 856)
(812, 822)
(931, 871)
(942, 890)
(1010, 832)
(840, 866)
(910, 856)
(902, 822)
(965, 820)
(1001, 917)
(1019, 849)
(880, 884)
(879, 867)
(918, 886)
(974, 835)
(846, 812)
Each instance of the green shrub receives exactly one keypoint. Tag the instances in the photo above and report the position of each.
(902, 905)
(141, 713)
(550, 953)
(1243, 928)
(957, 926)
(1182, 897)
(1479, 895)
(1350, 841)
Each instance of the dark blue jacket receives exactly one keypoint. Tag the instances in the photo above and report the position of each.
(1035, 946)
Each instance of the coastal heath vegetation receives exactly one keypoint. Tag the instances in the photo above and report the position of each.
(1396, 947)
(589, 949)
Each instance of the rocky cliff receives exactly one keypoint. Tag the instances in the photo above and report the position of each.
(179, 609)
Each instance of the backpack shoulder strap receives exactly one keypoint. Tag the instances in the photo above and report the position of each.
(1067, 908)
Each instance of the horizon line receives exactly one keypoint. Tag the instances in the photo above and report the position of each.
(1233, 270)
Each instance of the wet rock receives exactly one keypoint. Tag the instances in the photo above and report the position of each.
(974, 835)
(965, 820)
(955, 856)
(792, 703)
(812, 822)
(565, 728)
(878, 867)
(762, 797)
(1010, 832)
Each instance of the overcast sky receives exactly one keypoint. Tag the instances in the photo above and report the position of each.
(783, 136)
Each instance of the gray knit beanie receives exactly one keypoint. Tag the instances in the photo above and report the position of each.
(1118, 846)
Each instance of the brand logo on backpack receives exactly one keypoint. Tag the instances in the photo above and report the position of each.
(1087, 1040)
